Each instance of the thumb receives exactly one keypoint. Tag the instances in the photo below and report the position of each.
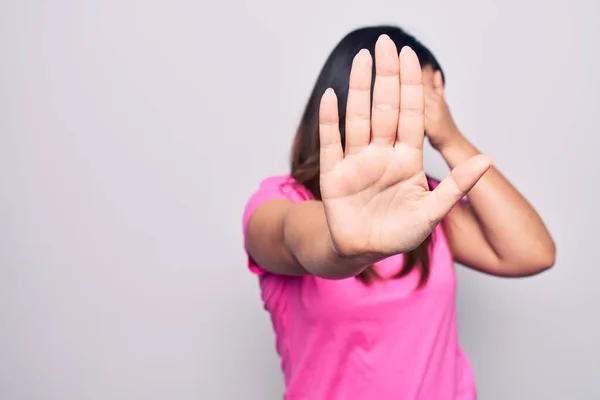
(461, 179)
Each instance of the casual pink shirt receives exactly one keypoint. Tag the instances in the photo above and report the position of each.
(343, 340)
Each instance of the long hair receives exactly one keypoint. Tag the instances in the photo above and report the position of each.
(335, 74)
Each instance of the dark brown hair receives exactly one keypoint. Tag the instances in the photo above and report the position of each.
(335, 74)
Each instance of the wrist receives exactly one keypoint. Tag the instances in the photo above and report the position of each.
(350, 264)
(457, 150)
(308, 239)
(451, 137)
(352, 259)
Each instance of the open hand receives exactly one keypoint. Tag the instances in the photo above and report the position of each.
(375, 194)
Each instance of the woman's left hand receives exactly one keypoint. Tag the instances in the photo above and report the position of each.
(497, 231)
(440, 128)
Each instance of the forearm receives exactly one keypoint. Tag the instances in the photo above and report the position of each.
(511, 226)
(307, 238)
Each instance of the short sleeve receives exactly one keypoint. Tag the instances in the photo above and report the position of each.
(433, 183)
(273, 188)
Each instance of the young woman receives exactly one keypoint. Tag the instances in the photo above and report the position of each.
(355, 248)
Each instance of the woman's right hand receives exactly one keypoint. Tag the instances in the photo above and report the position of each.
(375, 194)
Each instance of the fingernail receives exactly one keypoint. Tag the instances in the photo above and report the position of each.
(405, 48)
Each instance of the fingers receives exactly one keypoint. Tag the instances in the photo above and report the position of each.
(329, 132)
(358, 108)
(438, 82)
(462, 178)
(412, 103)
(386, 93)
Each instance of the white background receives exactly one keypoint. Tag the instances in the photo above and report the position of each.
(133, 132)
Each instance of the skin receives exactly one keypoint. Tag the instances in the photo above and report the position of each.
(497, 231)
(375, 197)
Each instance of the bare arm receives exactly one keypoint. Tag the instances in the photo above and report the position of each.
(497, 231)
(375, 199)
(293, 239)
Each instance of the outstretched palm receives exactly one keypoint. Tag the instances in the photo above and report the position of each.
(375, 195)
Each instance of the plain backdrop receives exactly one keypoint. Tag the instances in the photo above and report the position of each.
(133, 132)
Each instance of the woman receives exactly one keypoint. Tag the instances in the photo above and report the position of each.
(355, 268)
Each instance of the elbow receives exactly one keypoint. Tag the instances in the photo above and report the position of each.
(534, 264)
(543, 265)
(549, 254)
(545, 260)
(549, 258)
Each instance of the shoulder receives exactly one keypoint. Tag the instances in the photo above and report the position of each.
(277, 187)
(285, 185)
(269, 189)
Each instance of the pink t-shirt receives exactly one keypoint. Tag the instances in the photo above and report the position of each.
(343, 340)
